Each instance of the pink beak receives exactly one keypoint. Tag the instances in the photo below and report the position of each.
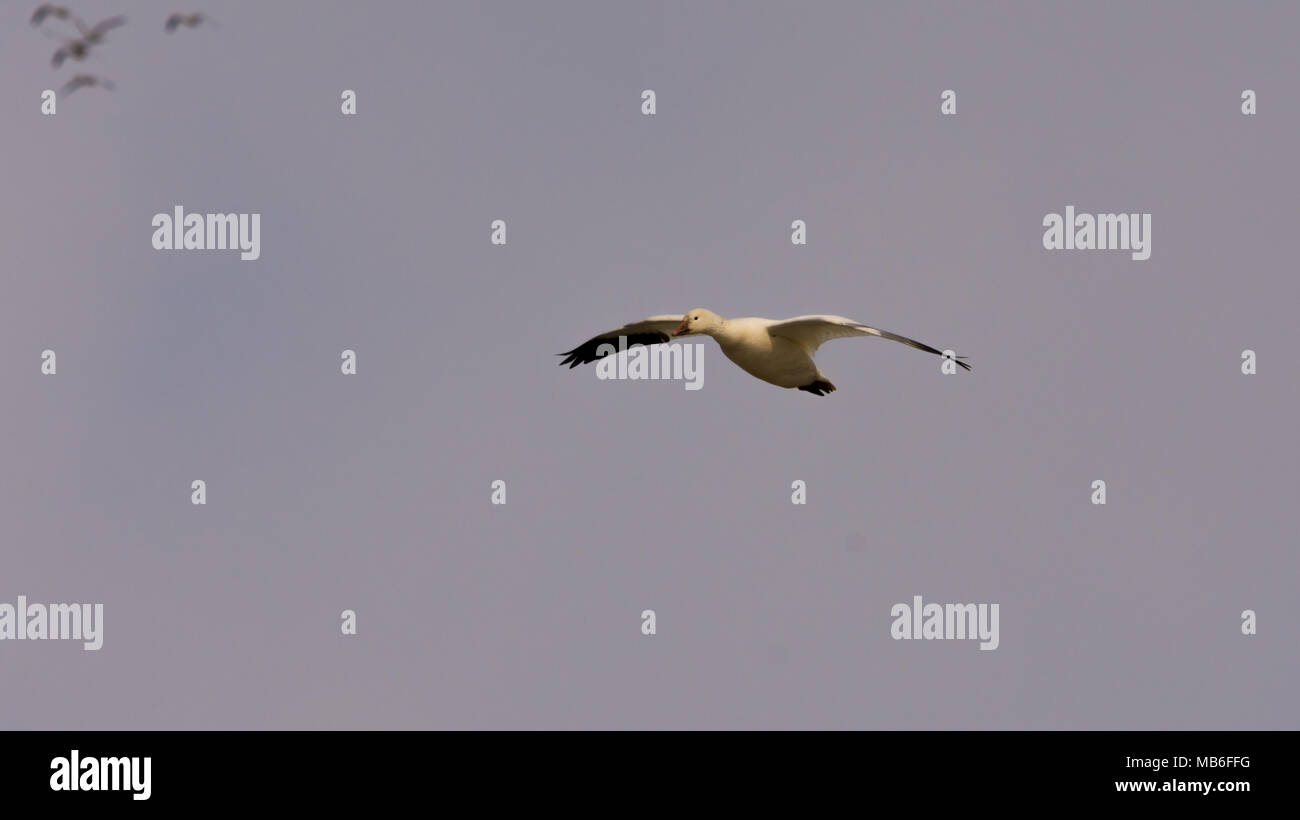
(680, 330)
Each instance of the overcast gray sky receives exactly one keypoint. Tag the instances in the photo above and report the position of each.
(371, 492)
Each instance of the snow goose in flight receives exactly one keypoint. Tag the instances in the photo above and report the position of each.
(190, 20)
(85, 81)
(779, 352)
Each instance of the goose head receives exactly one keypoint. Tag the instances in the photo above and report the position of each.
(699, 321)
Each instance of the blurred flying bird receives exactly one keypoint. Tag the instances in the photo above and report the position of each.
(190, 20)
(85, 81)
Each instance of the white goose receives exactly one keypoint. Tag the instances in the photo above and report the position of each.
(779, 352)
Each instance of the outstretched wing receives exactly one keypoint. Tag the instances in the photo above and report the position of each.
(811, 331)
(654, 330)
(45, 10)
(104, 26)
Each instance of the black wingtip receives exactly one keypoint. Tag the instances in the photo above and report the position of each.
(818, 388)
(591, 350)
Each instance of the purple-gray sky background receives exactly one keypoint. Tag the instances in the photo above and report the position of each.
(371, 492)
